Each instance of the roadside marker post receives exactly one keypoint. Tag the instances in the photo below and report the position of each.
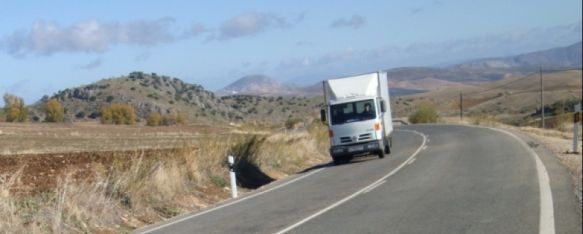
(576, 122)
(231, 161)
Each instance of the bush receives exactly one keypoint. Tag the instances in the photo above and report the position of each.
(174, 119)
(118, 114)
(80, 115)
(55, 112)
(424, 114)
(154, 119)
(14, 110)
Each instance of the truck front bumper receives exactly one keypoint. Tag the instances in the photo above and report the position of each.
(370, 147)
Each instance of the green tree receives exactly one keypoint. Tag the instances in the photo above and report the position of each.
(54, 111)
(14, 109)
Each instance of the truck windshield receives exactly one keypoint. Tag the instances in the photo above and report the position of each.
(352, 111)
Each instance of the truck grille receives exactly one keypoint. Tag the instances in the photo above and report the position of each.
(361, 137)
(345, 140)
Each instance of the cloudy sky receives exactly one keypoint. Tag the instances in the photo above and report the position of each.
(46, 46)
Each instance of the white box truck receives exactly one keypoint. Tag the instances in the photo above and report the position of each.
(358, 112)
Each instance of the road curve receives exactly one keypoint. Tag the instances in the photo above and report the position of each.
(438, 179)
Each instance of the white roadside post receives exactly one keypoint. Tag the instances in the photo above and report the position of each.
(233, 177)
(576, 121)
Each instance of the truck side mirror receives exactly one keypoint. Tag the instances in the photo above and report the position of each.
(323, 115)
(383, 108)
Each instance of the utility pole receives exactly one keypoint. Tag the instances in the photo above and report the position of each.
(542, 99)
(461, 107)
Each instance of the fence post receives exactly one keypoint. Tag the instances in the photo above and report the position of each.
(576, 121)
(231, 161)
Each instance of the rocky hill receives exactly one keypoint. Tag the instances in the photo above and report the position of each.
(146, 93)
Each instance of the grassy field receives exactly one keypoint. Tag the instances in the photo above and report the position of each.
(86, 177)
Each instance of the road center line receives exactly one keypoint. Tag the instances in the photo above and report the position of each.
(373, 187)
(230, 203)
(412, 160)
(368, 187)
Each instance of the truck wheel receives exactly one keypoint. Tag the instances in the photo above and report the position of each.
(381, 153)
(337, 161)
(388, 146)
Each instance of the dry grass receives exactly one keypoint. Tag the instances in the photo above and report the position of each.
(142, 188)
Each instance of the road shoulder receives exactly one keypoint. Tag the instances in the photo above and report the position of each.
(566, 198)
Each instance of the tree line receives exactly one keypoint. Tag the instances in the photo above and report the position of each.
(116, 113)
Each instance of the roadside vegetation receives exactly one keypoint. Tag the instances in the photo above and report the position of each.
(425, 113)
(118, 191)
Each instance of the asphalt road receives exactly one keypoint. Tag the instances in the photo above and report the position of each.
(438, 179)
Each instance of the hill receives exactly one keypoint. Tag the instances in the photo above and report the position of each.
(568, 56)
(260, 85)
(513, 100)
(275, 110)
(146, 93)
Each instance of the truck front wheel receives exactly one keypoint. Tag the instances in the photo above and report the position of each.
(388, 147)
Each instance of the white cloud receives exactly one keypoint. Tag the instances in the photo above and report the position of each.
(92, 36)
(350, 61)
(251, 23)
(91, 65)
(355, 22)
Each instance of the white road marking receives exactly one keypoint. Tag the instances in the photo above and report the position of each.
(230, 203)
(322, 211)
(547, 217)
(373, 187)
(412, 160)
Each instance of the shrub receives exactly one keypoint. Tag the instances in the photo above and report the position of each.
(55, 112)
(173, 119)
(154, 119)
(424, 114)
(14, 110)
(80, 115)
(118, 114)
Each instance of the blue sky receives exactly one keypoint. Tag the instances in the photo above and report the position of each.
(46, 46)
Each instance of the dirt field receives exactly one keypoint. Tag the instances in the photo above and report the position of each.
(42, 138)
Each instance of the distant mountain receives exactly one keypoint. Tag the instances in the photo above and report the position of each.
(146, 93)
(410, 80)
(568, 56)
(260, 85)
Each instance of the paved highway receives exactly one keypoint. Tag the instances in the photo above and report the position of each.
(438, 179)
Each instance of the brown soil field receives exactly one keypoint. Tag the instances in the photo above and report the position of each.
(41, 171)
(42, 138)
